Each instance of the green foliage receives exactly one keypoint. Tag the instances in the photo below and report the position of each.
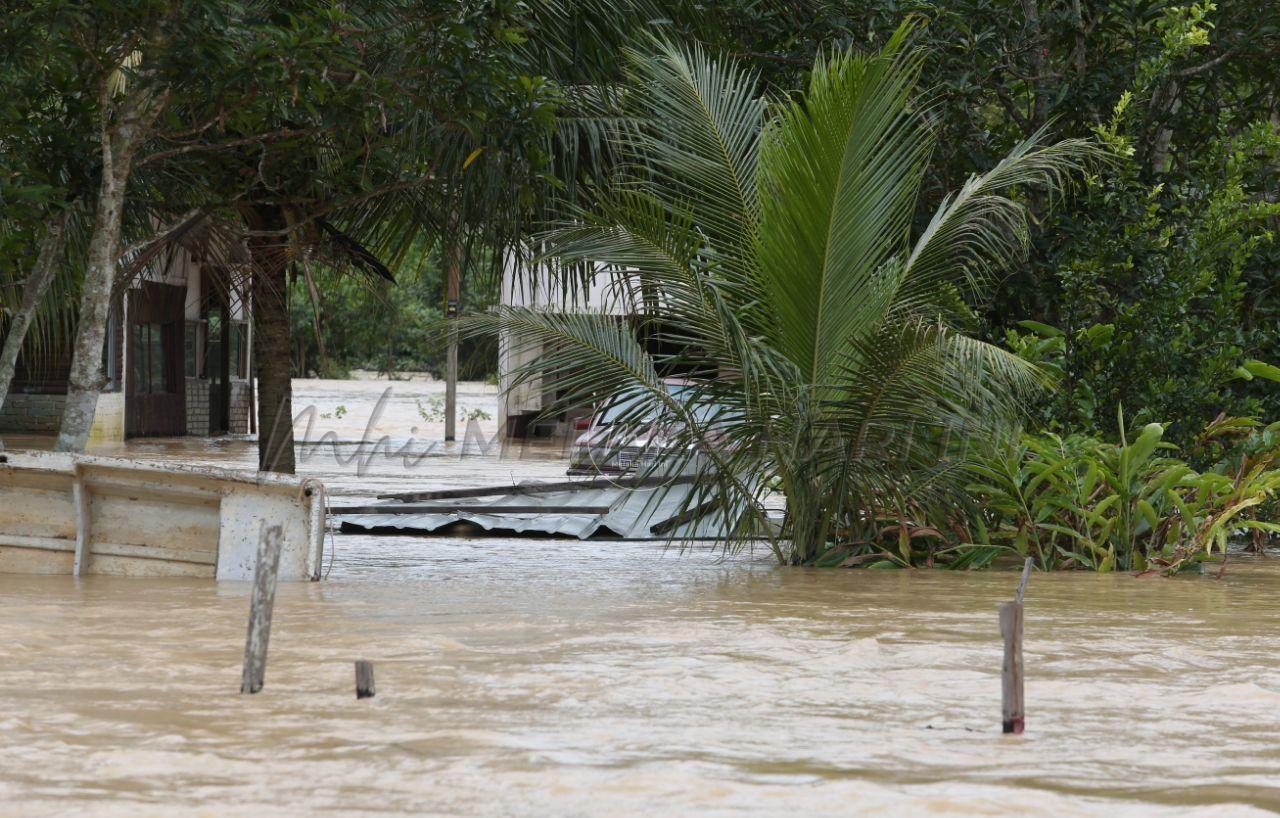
(384, 327)
(1155, 298)
(1079, 502)
(433, 411)
(1161, 282)
(1170, 246)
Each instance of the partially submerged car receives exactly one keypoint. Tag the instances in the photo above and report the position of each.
(630, 433)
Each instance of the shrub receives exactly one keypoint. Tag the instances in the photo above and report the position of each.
(1079, 502)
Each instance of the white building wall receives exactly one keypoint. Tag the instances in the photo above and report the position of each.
(606, 293)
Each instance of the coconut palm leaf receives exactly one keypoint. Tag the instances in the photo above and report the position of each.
(980, 229)
(700, 142)
(839, 177)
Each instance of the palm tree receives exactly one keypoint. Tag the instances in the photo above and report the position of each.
(779, 272)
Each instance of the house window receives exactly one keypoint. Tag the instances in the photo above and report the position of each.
(111, 349)
(147, 359)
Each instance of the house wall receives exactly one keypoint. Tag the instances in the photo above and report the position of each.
(182, 268)
(240, 397)
(607, 293)
(42, 414)
(39, 411)
(198, 407)
(32, 413)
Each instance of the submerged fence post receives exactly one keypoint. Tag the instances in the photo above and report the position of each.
(364, 680)
(263, 600)
(1012, 706)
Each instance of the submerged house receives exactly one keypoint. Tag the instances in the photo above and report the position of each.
(177, 359)
(524, 409)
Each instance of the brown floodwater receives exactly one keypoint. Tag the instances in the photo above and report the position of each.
(547, 677)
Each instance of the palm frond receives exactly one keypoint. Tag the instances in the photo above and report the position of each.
(700, 141)
(982, 228)
(840, 172)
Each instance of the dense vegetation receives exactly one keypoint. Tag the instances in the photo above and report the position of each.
(1149, 295)
(343, 322)
(1159, 271)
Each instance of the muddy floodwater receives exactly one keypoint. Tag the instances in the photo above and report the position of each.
(543, 677)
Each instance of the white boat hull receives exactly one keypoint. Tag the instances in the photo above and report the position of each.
(77, 514)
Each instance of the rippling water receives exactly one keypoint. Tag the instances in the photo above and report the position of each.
(562, 678)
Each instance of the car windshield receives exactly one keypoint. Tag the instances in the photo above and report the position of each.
(640, 407)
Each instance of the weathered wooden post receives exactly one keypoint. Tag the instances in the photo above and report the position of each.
(270, 542)
(1013, 712)
(80, 498)
(364, 680)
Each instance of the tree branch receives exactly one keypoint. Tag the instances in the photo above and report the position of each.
(233, 143)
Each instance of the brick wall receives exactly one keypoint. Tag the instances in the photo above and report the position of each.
(197, 407)
(239, 421)
(42, 413)
(31, 413)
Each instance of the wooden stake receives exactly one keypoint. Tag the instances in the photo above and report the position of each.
(1022, 583)
(80, 498)
(364, 680)
(270, 542)
(1013, 715)
(453, 298)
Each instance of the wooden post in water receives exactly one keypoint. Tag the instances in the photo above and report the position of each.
(1012, 706)
(80, 498)
(270, 542)
(364, 680)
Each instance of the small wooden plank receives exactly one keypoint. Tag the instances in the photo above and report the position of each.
(1012, 710)
(364, 680)
(461, 508)
(540, 488)
(80, 500)
(270, 542)
(37, 543)
(1026, 575)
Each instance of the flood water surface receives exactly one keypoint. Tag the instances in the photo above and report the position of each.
(546, 677)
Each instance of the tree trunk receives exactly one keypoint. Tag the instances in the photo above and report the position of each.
(273, 342)
(87, 378)
(1170, 97)
(1039, 63)
(123, 128)
(32, 294)
(453, 288)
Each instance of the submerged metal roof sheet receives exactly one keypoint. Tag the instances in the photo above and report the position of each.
(632, 513)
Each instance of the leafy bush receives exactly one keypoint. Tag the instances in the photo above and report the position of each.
(433, 411)
(1157, 296)
(1079, 502)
